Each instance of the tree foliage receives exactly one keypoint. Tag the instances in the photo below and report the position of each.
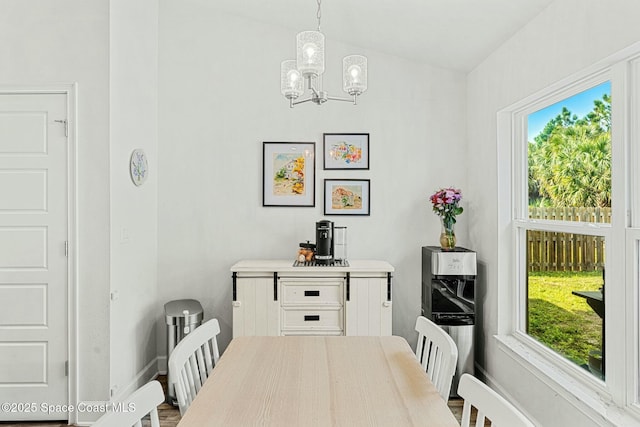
(570, 160)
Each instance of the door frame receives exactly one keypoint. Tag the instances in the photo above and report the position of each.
(70, 91)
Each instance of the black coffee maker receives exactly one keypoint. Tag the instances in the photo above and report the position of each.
(324, 242)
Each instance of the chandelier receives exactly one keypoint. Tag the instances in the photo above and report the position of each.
(309, 67)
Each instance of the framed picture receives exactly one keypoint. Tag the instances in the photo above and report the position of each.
(347, 197)
(288, 174)
(346, 150)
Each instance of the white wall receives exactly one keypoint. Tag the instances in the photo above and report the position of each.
(134, 210)
(565, 38)
(219, 99)
(67, 41)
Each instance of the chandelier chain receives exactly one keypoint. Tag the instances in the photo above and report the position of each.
(319, 15)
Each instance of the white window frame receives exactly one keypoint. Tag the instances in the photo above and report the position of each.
(617, 398)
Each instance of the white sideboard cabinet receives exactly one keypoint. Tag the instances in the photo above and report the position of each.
(272, 297)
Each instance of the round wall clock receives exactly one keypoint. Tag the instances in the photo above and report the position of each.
(138, 167)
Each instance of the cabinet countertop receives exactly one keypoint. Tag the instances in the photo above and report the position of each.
(281, 266)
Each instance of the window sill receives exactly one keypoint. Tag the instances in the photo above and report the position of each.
(588, 395)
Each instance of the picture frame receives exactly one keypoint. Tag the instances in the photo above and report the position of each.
(346, 151)
(288, 174)
(347, 197)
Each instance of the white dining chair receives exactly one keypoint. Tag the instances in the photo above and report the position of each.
(142, 402)
(437, 353)
(192, 361)
(489, 404)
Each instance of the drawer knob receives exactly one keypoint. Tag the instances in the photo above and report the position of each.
(386, 304)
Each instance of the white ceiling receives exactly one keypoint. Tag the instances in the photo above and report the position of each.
(454, 34)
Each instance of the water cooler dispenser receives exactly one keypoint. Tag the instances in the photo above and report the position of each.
(448, 299)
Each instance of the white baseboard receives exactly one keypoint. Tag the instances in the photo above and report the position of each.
(162, 365)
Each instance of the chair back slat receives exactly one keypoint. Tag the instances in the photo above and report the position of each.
(180, 385)
(155, 418)
(200, 370)
(192, 361)
(192, 375)
(208, 359)
(216, 351)
(489, 404)
(437, 353)
(466, 413)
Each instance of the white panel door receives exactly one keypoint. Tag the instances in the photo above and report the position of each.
(33, 260)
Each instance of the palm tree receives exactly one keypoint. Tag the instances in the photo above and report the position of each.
(570, 161)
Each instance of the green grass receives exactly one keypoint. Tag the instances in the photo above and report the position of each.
(562, 321)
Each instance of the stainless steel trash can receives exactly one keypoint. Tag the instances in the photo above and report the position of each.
(182, 317)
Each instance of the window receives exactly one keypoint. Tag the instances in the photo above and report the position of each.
(569, 236)
(568, 172)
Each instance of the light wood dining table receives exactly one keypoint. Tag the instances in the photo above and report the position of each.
(318, 381)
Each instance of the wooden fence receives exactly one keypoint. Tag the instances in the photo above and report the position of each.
(552, 251)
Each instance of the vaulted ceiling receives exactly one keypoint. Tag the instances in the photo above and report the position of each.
(454, 34)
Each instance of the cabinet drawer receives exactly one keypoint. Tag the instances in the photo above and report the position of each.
(317, 333)
(312, 293)
(296, 319)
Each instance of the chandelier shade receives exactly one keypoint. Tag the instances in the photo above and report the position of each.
(310, 50)
(354, 74)
(291, 81)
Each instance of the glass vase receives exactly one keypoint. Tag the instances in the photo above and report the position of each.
(447, 236)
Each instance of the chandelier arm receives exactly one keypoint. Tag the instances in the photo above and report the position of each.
(300, 102)
(336, 98)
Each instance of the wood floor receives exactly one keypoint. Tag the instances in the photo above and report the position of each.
(170, 415)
